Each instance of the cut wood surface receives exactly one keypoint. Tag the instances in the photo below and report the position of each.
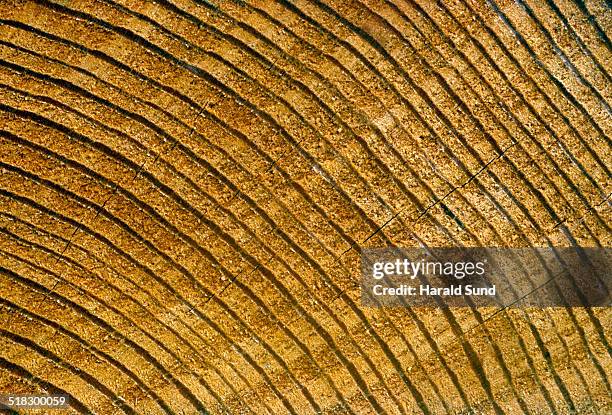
(186, 187)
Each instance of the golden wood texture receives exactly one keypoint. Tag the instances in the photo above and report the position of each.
(186, 185)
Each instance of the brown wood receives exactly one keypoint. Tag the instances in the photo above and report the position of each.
(185, 188)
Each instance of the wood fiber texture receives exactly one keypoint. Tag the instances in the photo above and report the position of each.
(186, 186)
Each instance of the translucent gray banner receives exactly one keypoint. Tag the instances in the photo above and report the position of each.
(478, 277)
(24, 402)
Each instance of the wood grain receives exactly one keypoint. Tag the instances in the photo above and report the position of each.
(186, 186)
